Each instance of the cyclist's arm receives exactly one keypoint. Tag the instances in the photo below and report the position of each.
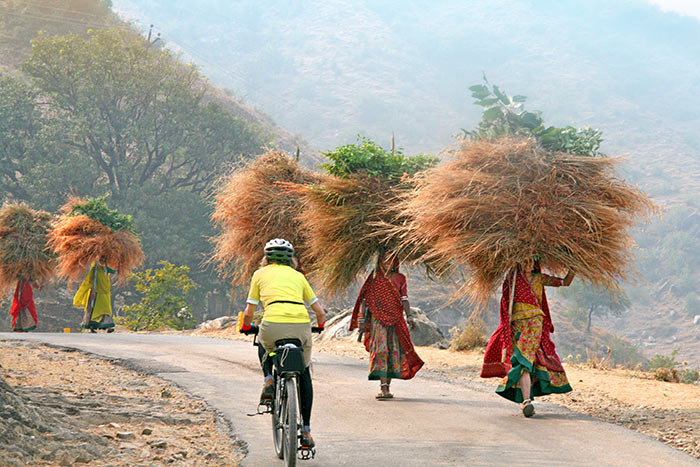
(248, 314)
(320, 314)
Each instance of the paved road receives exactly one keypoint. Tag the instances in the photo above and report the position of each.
(432, 421)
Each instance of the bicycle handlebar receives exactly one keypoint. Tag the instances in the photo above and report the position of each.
(317, 330)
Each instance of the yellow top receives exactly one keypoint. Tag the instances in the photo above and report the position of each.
(526, 310)
(275, 283)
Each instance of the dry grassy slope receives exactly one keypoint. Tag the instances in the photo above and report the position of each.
(20, 21)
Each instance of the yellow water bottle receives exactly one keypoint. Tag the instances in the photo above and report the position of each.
(239, 325)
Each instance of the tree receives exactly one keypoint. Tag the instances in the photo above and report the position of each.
(135, 112)
(595, 301)
(164, 299)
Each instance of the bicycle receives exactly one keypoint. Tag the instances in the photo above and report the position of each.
(288, 364)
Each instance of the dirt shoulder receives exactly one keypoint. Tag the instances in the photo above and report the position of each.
(669, 412)
(68, 407)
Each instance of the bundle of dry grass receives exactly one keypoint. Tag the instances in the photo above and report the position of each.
(80, 240)
(502, 201)
(254, 206)
(23, 246)
(347, 220)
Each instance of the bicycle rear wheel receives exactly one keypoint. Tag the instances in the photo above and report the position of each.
(291, 427)
(278, 410)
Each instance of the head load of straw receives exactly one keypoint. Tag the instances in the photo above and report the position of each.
(502, 201)
(347, 214)
(252, 207)
(23, 246)
(88, 231)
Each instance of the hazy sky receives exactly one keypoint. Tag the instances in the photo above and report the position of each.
(683, 7)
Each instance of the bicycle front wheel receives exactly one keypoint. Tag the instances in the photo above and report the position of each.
(290, 425)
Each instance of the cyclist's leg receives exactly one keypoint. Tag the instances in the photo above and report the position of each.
(306, 393)
(265, 362)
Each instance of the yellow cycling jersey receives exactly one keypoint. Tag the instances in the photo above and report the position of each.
(283, 291)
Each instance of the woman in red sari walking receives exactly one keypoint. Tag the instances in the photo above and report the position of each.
(379, 311)
(521, 350)
(23, 311)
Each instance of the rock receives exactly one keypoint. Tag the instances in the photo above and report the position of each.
(128, 446)
(147, 431)
(165, 393)
(83, 457)
(424, 332)
(125, 435)
(182, 453)
(696, 320)
(65, 459)
(211, 455)
(218, 323)
(159, 443)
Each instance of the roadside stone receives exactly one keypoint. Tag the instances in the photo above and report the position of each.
(182, 453)
(159, 443)
(211, 455)
(147, 431)
(125, 435)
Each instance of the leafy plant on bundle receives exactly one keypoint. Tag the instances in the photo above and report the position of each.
(367, 157)
(96, 209)
(165, 294)
(347, 214)
(23, 240)
(506, 115)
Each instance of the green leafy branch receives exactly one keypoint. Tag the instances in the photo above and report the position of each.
(506, 115)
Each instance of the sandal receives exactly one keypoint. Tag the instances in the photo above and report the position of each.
(384, 394)
(527, 408)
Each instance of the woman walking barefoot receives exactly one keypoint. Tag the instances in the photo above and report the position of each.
(521, 350)
(381, 305)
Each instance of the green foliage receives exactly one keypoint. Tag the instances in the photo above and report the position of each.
(593, 301)
(689, 376)
(370, 158)
(625, 353)
(164, 299)
(578, 317)
(662, 361)
(96, 208)
(506, 115)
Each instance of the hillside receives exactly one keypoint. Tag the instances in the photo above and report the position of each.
(332, 69)
(20, 21)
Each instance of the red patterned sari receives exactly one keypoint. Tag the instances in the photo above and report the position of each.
(522, 342)
(23, 311)
(387, 338)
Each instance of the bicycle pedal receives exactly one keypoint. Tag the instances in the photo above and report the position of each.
(306, 453)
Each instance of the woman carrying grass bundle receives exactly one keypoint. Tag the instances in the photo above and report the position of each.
(94, 295)
(379, 311)
(23, 311)
(523, 340)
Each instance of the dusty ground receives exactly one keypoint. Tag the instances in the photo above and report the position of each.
(669, 412)
(108, 415)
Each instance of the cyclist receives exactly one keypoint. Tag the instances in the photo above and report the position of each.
(284, 292)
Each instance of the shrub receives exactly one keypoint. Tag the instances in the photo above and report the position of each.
(689, 376)
(625, 353)
(661, 361)
(472, 336)
(164, 302)
(667, 374)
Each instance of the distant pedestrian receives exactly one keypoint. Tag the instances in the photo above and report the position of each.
(379, 313)
(94, 296)
(521, 350)
(23, 311)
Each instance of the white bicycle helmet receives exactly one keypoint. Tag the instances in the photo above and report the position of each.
(279, 250)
